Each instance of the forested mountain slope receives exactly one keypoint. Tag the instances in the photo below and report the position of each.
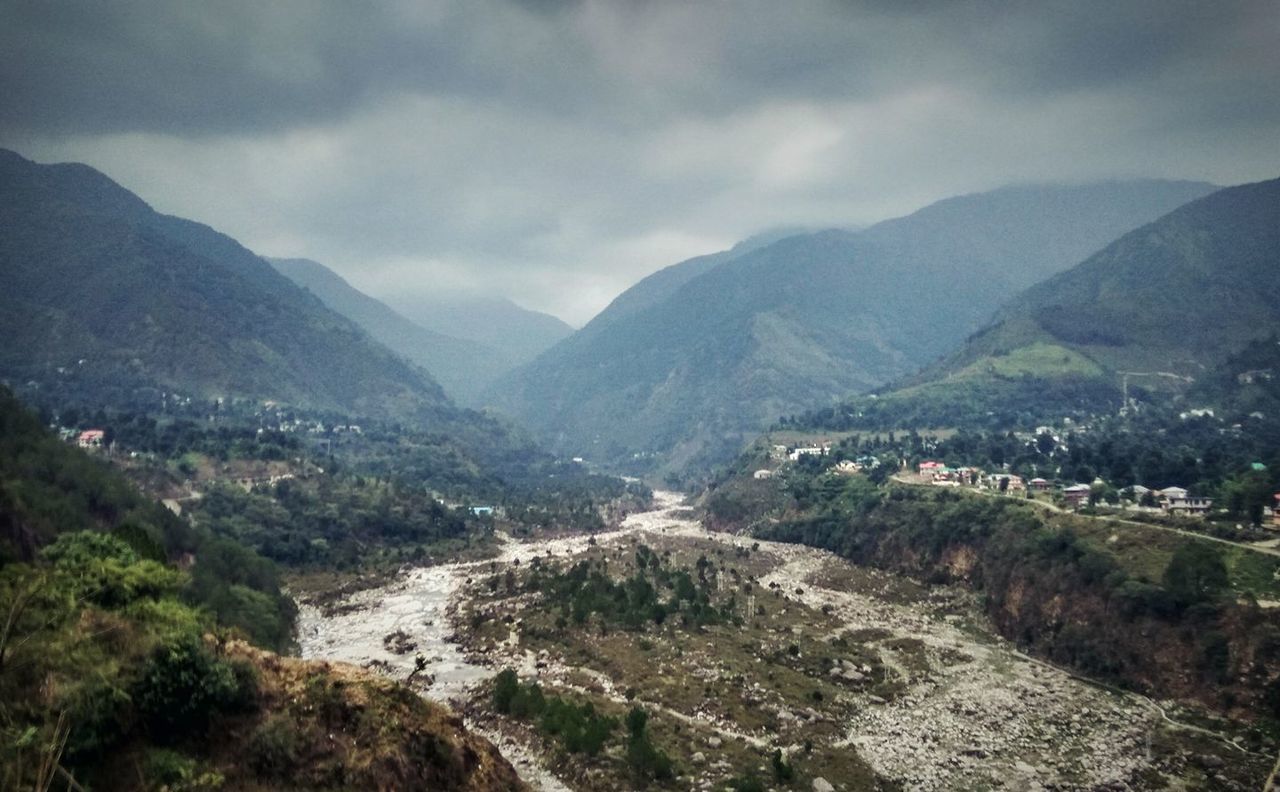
(102, 296)
(1161, 307)
(682, 371)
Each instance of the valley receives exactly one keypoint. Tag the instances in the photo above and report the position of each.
(858, 677)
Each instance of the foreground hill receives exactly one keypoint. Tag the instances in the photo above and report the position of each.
(1160, 308)
(105, 298)
(462, 366)
(120, 665)
(673, 378)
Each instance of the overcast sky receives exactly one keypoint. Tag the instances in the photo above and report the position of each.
(556, 152)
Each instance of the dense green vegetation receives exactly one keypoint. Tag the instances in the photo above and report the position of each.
(106, 301)
(673, 378)
(121, 665)
(653, 594)
(48, 489)
(580, 729)
(302, 490)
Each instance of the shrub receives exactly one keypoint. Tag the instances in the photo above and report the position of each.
(182, 686)
(273, 746)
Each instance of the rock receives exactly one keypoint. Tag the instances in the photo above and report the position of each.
(699, 758)
(821, 784)
(714, 742)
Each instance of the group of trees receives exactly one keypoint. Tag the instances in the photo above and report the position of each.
(580, 728)
(100, 649)
(652, 594)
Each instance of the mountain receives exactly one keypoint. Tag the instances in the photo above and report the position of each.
(515, 334)
(463, 367)
(1157, 310)
(659, 286)
(106, 299)
(672, 378)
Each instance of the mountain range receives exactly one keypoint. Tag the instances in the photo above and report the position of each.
(681, 368)
(108, 298)
(464, 366)
(1155, 312)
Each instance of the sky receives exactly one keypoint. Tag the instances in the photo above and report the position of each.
(557, 152)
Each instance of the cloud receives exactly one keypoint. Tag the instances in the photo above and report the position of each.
(557, 152)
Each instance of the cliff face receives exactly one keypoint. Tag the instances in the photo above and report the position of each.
(1064, 600)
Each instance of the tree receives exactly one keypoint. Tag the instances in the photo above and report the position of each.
(1196, 573)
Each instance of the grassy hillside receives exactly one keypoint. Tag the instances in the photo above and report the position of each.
(104, 299)
(1161, 307)
(673, 377)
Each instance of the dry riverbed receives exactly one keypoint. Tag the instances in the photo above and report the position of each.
(865, 680)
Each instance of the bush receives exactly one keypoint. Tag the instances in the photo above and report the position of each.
(273, 746)
(182, 686)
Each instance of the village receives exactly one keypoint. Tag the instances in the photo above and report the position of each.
(834, 458)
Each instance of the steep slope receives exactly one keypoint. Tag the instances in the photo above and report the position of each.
(516, 334)
(96, 282)
(120, 670)
(463, 367)
(677, 380)
(1160, 307)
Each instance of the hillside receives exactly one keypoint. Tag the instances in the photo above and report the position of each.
(106, 301)
(680, 373)
(464, 368)
(1167, 303)
(125, 666)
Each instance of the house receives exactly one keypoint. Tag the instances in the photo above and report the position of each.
(90, 438)
(808, 451)
(1189, 506)
(1006, 482)
(1170, 494)
(1076, 494)
(1275, 514)
(847, 467)
(1039, 485)
(482, 511)
(931, 468)
(763, 473)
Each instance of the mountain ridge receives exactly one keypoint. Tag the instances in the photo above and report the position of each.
(677, 385)
(154, 301)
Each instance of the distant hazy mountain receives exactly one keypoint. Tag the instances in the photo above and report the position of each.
(672, 378)
(464, 368)
(516, 334)
(1167, 302)
(95, 283)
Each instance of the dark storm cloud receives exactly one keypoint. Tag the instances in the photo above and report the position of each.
(565, 149)
(156, 65)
